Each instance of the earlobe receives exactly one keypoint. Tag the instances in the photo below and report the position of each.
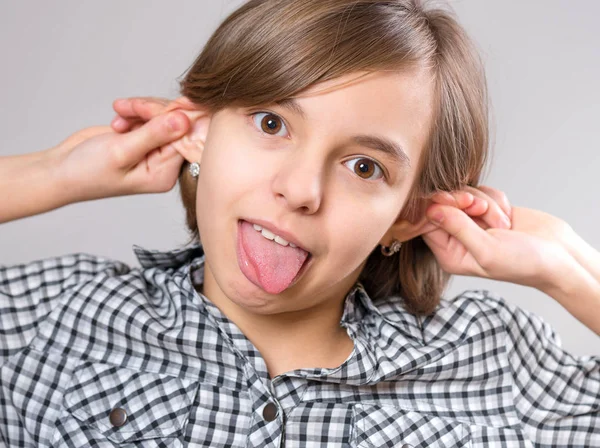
(404, 230)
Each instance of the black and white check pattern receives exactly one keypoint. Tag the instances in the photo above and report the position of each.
(81, 335)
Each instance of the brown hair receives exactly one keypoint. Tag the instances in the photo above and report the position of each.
(270, 50)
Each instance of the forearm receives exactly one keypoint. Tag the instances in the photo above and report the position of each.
(28, 185)
(576, 286)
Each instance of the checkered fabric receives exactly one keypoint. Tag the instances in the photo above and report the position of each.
(86, 340)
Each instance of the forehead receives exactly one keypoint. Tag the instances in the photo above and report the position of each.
(418, 82)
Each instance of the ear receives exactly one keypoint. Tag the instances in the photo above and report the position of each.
(404, 230)
(191, 145)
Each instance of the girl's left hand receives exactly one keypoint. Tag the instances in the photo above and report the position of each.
(475, 238)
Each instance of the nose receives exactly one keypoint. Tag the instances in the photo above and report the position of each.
(299, 183)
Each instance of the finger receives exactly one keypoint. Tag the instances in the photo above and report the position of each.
(457, 224)
(155, 133)
(478, 208)
(451, 254)
(472, 205)
(144, 108)
(181, 103)
(159, 157)
(460, 198)
(136, 124)
(120, 124)
(159, 173)
(500, 198)
(125, 105)
(494, 216)
(481, 223)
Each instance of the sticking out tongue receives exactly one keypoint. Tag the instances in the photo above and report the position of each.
(264, 261)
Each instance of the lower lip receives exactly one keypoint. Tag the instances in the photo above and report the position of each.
(248, 268)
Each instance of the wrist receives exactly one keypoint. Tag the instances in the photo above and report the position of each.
(564, 279)
(60, 190)
(28, 182)
(570, 261)
(576, 289)
(584, 254)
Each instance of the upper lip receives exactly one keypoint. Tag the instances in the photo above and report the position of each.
(289, 237)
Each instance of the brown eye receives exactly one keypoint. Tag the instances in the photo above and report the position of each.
(269, 123)
(366, 168)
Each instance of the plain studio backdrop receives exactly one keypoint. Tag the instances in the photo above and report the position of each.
(64, 62)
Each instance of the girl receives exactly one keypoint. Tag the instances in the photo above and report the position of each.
(330, 192)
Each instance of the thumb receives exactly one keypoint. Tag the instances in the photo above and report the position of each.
(459, 225)
(157, 132)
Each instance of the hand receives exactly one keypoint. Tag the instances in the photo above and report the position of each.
(476, 239)
(96, 162)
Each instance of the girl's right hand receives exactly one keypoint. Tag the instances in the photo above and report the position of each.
(133, 112)
(97, 162)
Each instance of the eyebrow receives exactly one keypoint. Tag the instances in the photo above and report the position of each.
(376, 142)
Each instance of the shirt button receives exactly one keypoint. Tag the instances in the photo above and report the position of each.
(270, 412)
(407, 445)
(117, 417)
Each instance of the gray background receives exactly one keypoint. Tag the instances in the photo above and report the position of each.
(64, 62)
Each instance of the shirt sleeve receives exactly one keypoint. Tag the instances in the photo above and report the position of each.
(557, 395)
(29, 292)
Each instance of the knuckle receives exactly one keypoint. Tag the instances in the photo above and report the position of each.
(157, 128)
(486, 260)
(117, 155)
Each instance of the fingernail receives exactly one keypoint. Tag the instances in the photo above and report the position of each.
(437, 218)
(174, 123)
(118, 122)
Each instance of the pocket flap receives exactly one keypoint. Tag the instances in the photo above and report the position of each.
(389, 426)
(156, 405)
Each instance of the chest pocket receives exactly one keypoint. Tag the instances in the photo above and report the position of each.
(145, 405)
(378, 426)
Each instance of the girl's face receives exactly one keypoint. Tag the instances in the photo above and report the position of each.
(315, 171)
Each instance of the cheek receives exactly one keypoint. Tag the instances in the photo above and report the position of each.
(229, 168)
(356, 227)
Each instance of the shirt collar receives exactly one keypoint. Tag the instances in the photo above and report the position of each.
(357, 305)
(357, 369)
(175, 258)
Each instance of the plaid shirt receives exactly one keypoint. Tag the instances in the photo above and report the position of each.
(95, 353)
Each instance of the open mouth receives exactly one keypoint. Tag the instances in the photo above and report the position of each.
(266, 258)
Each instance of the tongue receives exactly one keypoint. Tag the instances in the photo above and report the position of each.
(276, 265)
